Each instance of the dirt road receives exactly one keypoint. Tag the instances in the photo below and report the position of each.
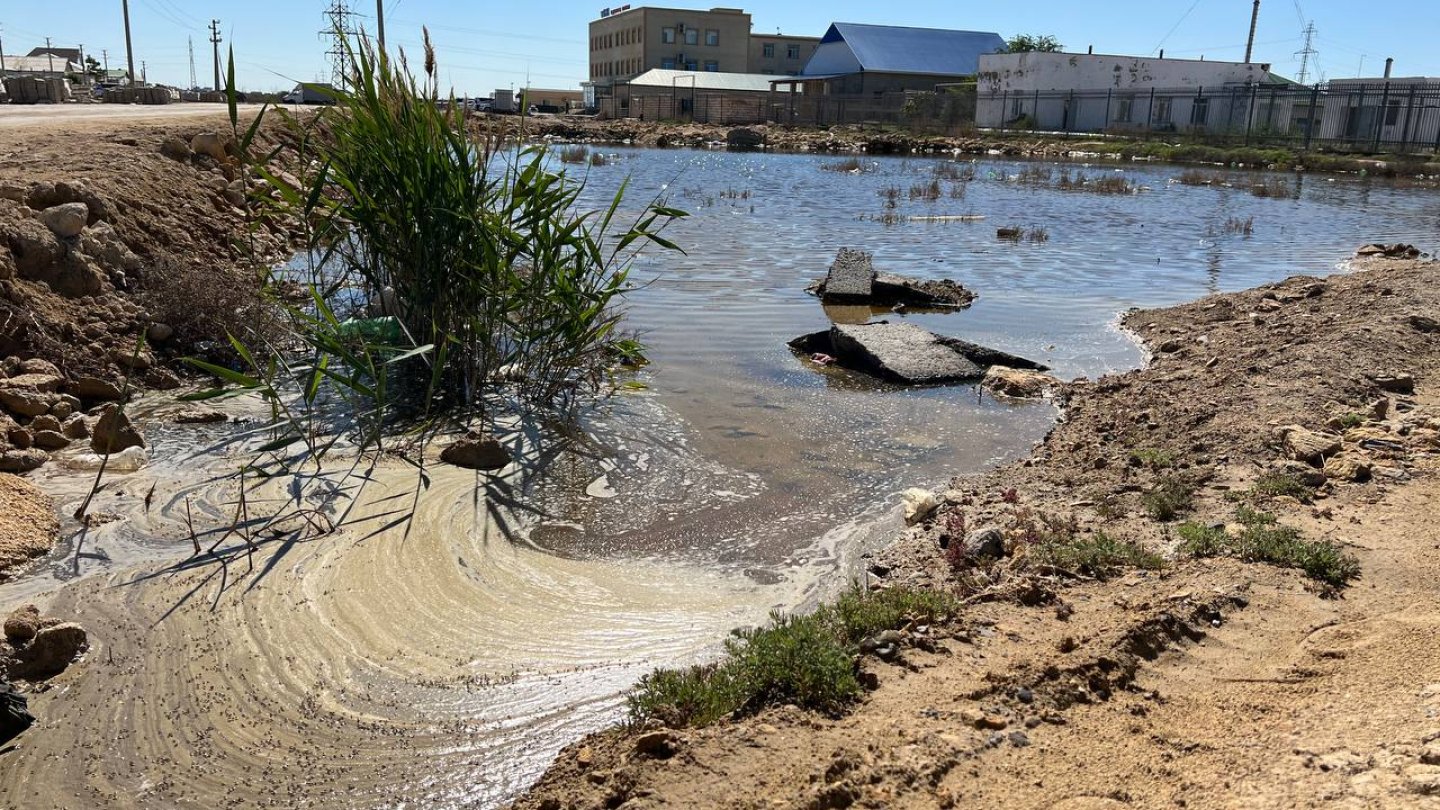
(14, 117)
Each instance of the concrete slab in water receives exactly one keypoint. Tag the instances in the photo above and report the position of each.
(901, 352)
(850, 276)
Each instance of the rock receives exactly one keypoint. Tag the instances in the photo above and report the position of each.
(1308, 446)
(657, 744)
(45, 422)
(211, 144)
(1423, 779)
(129, 358)
(94, 388)
(1304, 473)
(199, 416)
(29, 394)
(22, 460)
(20, 437)
(22, 624)
(159, 333)
(900, 352)
(477, 451)
(1018, 383)
(113, 432)
(1170, 346)
(162, 379)
(43, 368)
(742, 138)
(918, 504)
(77, 276)
(50, 652)
(34, 247)
(175, 149)
(62, 410)
(66, 221)
(102, 243)
(1422, 323)
(1019, 739)
(1395, 383)
(893, 637)
(983, 720)
(51, 440)
(75, 427)
(850, 277)
(986, 542)
(890, 289)
(1347, 468)
(585, 757)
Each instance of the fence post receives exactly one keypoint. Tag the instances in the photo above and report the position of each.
(1310, 116)
(1380, 119)
(1150, 113)
(1250, 112)
(1106, 127)
(1070, 113)
(1035, 112)
(1004, 107)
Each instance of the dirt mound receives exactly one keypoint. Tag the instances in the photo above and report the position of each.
(1224, 683)
(28, 525)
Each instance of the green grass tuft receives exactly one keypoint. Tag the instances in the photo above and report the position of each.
(1169, 499)
(1263, 539)
(1098, 555)
(1153, 457)
(1277, 484)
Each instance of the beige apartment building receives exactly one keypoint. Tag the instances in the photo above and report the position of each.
(626, 42)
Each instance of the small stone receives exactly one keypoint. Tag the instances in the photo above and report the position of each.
(76, 428)
(918, 504)
(66, 221)
(1019, 739)
(1347, 468)
(50, 652)
(585, 757)
(1309, 446)
(1395, 383)
(657, 744)
(62, 410)
(1170, 346)
(94, 388)
(477, 451)
(1025, 695)
(22, 460)
(985, 542)
(22, 624)
(1431, 754)
(113, 432)
(20, 437)
(159, 332)
(199, 416)
(175, 149)
(1018, 383)
(51, 440)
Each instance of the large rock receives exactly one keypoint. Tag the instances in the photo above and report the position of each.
(22, 461)
(175, 149)
(1309, 446)
(34, 247)
(51, 440)
(212, 144)
(1018, 383)
(66, 221)
(988, 541)
(22, 624)
(95, 389)
(28, 394)
(477, 451)
(851, 276)
(918, 504)
(113, 432)
(853, 280)
(905, 353)
(50, 652)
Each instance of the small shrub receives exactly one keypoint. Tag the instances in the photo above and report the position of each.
(1034, 176)
(957, 172)
(858, 614)
(1113, 184)
(1351, 420)
(1237, 225)
(1098, 555)
(928, 192)
(851, 165)
(1169, 499)
(1275, 484)
(574, 154)
(1263, 539)
(1154, 458)
(891, 196)
(955, 528)
(597, 159)
(1193, 177)
(1274, 187)
(1037, 234)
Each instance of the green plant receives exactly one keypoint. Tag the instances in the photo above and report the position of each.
(1097, 555)
(1263, 539)
(806, 660)
(1153, 457)
(850, 165)
(1168, 499)
(1237, 225)
(574, 154)
(1350, 420)
(440, 263)
(1275, 483)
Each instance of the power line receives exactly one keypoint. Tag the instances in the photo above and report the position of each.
(1176, 26)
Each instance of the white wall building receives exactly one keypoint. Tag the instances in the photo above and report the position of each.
(1099, 92)
(1383, 111)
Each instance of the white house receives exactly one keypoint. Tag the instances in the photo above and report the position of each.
(1404, 111)
(1098, 92)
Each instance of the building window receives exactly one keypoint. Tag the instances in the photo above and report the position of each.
(691, 64)
(792, 51)
(1392, 112)
(712, 37)
(1017, 108)
(667, 64)
(1162, 110)
(768, 51)
(711, 66)
(1126, 109)
(667, 36)
(692, 36)
(1200, 111)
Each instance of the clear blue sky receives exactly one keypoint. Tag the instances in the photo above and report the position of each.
(485, 45)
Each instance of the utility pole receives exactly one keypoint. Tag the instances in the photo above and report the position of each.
(51, 56)
(129, 51)
(2, 55)
(1250, 43)
(1306, 53)
(105, 57)
(144, 74)
(380, 23)
(194, 82)
(215, 44)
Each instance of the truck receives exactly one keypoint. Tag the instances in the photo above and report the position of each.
(311, 94)
(503, 101)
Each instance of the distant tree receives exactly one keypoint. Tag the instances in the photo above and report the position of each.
(93, 68)
(1029, 43)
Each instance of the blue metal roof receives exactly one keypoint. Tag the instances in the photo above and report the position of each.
(853, 47)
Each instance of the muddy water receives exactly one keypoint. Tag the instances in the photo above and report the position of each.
(448, 640)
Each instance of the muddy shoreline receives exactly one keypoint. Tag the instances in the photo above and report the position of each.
(1155, 667)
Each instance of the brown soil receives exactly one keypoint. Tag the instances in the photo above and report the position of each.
(1211, 683)
(28, 525)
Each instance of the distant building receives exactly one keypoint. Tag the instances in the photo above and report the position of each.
(780, 55)
(626, 42)
(1383, 111)
(859, 60)
(552, 101)
(42, 66)
(713, 98)
(68, 54)
(1098, 92)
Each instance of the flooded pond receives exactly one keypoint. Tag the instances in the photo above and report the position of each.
(443, 661)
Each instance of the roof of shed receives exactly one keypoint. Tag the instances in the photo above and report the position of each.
(928, 51)
(704, 80)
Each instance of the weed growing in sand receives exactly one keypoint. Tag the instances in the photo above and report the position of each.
(928, 192)
(1169, 499)
(957, 172)
(1273, 187)
(1194, 177)
(1350, 420)
(1275, 484)
(1262, 539)
(1096, 555)
(805, 660)
(574, 154)
(1154, 458)
(1113, 184)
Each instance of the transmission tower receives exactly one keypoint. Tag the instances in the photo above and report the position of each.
(1307, 53)
(194, 82)
(339, 33)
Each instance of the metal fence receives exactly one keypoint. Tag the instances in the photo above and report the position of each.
(1396, 116)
